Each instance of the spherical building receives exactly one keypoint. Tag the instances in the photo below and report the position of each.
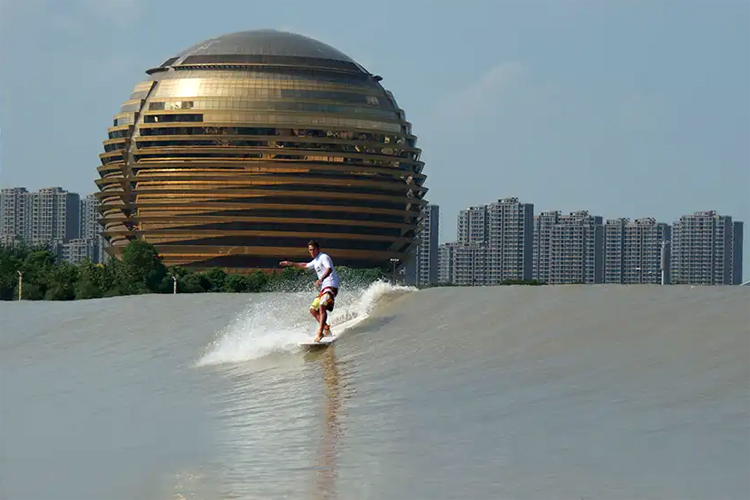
(237, 151)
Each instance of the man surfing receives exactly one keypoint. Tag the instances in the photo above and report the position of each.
(328, 281)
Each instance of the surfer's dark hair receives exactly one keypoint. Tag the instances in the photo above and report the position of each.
(314, 244)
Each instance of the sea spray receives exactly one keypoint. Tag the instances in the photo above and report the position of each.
(282, 321)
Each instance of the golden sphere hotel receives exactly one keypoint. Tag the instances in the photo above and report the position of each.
(237, 151)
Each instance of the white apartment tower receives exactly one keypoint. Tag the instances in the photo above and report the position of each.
(576, 249)
(706, 250)
(445, 263)
(543, 224)
(50, 215)
(510, 240)
(427, 252)
(13, 215)
(633, 250)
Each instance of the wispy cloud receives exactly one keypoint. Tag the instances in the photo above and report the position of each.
(488, 91)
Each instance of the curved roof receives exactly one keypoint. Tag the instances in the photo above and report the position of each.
(265, 43)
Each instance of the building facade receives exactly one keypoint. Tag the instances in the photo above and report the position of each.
(237, 151)
(14, 217)
(79, 249)
(472, 225)
(510, 241)
(469, 265)
(543, 224)
(427, 253)
(706, 250)
(47, 216)
(738, 236)
(91, 228)
(633, 251)
(445, 263)
(576, 249)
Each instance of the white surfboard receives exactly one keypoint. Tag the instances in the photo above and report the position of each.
(336, 330)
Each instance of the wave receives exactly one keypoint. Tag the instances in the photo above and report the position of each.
(280, 323)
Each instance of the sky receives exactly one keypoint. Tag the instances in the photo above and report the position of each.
(623, 108)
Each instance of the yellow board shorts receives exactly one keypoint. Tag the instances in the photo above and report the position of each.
(325, 299)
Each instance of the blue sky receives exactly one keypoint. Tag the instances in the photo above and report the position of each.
(623, 108)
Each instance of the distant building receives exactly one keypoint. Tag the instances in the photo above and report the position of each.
(633, 250)
(706, 250)
(738, 235)
(614, 250)
(54, 214)
(472, 225)
(469, 266)
(14, 220)
(427, 252)
(406, 272)
(48, 216)
(509, 241)
(79, 249)
(543, 224)
(90, 227)
(495, 243)
(445, 263)
(216, 154)
(576, 249)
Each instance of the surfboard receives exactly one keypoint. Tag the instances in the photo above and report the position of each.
(337, 331)
(324, 342)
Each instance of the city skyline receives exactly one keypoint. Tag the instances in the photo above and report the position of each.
(576, 105)
(63, 220)
(604, 249)
(497, 244)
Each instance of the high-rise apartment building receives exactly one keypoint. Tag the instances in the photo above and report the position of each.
(14, 220)
(633, 250)
(576, 249)
(90, 227)
(472, 225)
(469, 266)
(509, 241)
(614, 250)
(445, 262)
(738, 234)
(79, 249)
(50, 215)
(55, 215)
(543, 224)
(427, 252)
(706, 250)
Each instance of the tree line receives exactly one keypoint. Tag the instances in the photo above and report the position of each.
(140, 270)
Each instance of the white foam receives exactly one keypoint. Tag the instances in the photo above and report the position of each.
(281, 322)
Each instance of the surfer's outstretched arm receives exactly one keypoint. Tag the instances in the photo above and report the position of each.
(299, 265)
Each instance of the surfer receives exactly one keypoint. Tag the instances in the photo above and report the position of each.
(328, 281)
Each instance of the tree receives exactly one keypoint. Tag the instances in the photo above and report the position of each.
(216, 277)
(235, 283)
(142, 267)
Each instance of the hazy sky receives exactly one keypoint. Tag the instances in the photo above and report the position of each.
(623, 108)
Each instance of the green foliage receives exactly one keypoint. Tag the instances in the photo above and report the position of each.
(256, 282)
(139, 271)
(522, 282)
(216, 278)
(142, 267)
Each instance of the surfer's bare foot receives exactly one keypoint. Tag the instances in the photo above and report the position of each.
(327, 331)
